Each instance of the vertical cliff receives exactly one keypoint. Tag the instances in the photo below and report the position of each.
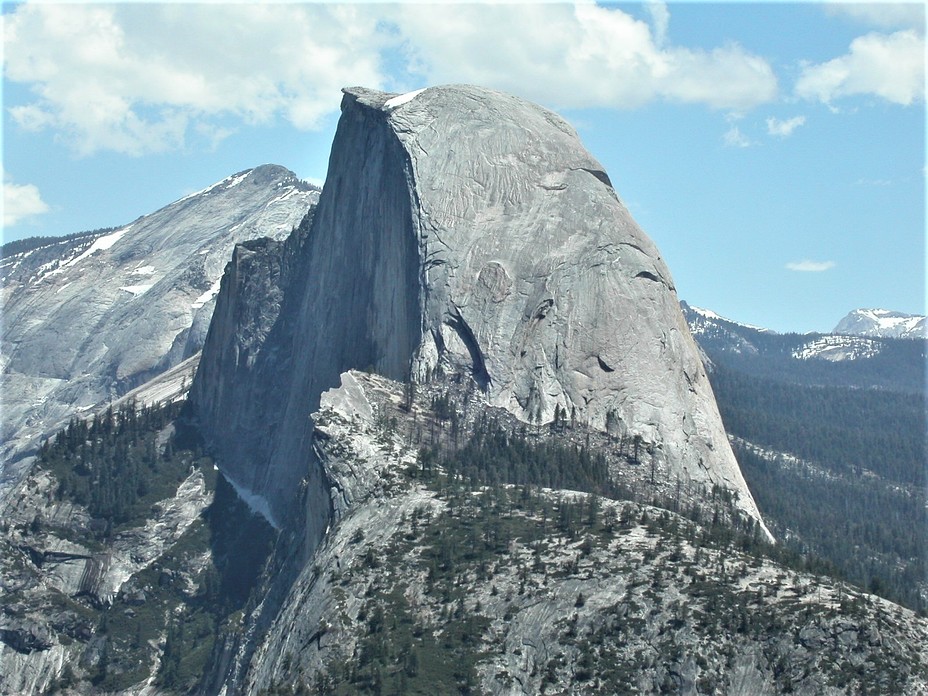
(466, 231)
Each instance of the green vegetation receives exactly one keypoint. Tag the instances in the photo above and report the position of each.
(189, 600)
(861, 505)
(839, 428)
(493, 456)
(113, 464)
(517, 543)
(873, 532)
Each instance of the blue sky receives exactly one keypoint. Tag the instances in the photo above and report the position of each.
(774, 152)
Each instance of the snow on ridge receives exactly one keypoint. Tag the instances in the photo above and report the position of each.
(709, 314)
(398, 101)
(235, 179)
(883, 323)
(837, 348)
(228, 182)
(289, 194)
(100, 244)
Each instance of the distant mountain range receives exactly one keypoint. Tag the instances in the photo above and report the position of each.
(835, 359)
(882, 323)
(872, 323)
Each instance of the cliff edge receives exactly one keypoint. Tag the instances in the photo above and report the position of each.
(462, 231)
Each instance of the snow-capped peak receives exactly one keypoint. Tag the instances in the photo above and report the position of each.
(883, 323)
(712, 316)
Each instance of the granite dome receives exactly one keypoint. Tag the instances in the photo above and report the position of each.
(462, 230)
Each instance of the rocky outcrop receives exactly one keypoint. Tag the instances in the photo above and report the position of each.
(419, 585)
(463, 231)
(87, 320)
(57, 579)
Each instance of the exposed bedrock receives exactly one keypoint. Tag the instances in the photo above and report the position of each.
(89, 318)
(461, 229)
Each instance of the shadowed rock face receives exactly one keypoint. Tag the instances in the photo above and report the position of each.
(461, 229)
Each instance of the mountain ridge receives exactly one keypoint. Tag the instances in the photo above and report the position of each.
(883, 323)
(89, 318)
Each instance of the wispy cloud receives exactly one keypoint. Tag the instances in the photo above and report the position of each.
(20, 201)
(660, 20)
(882, 183)
(889, 66)
(784, 128)
(909, 15)
(735, 138)
(807, 266)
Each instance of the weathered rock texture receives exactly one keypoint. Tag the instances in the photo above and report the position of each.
(55, 577)
(86, 321)
(464, 230)
(423, 588)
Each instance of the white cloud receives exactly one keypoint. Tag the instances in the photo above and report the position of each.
(891, 66)
(807, 266)
(660, 20)
(20, 201)
(139, 78)
(784, 128)
(575, 56)
(735, 138)
(910, 15)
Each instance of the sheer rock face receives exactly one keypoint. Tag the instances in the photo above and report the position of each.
(461, 229)
(87, 320)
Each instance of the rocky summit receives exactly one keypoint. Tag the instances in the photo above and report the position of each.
(87, 319)
(883, 323)
(462, 232)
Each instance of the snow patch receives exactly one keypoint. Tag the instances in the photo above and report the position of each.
(398, 101)
(883, 323)
(256, 503)
(235, 180)
(100, 244)
(284, 197)
(208, 295)
(144, 270)
(137, 289)
(227, 183)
